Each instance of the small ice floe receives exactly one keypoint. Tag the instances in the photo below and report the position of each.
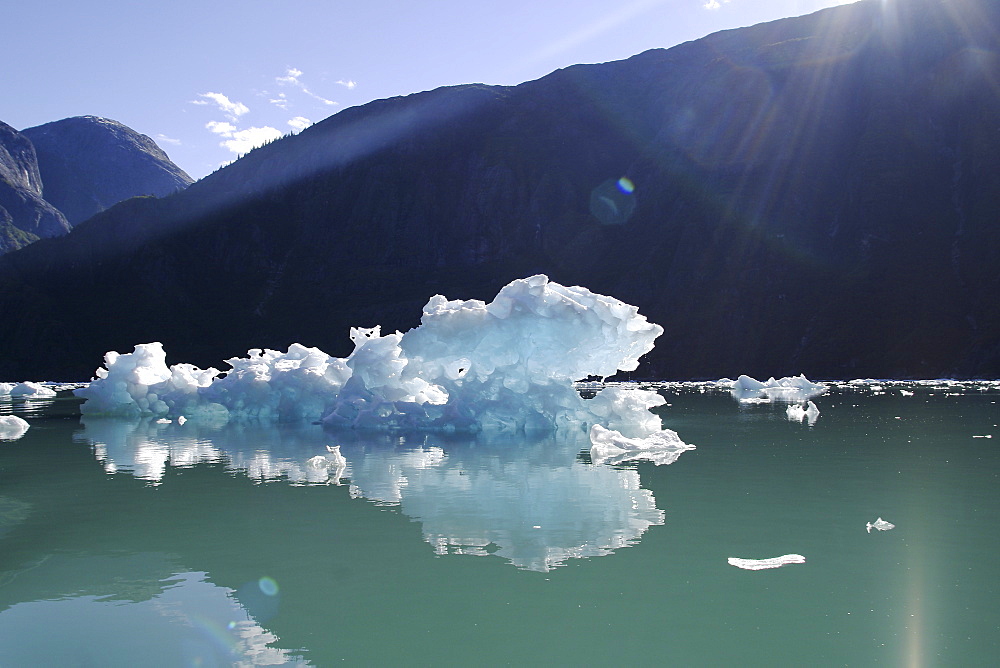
(611, 447)
(327, 469)
(790, 389)
(181, 420)
(335, 458)
(982, 436)
(906, 393)
(800, 413)
(12, 427)
(29, 390)
(879, 524)
(163, 421)
(761, 564)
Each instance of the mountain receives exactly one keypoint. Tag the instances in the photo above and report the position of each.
(25, 216)
(814, 195)
(89, 164)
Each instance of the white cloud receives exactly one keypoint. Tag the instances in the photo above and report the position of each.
(231, 109)
(244, 141)
(350, 84)
(164, 139)
(291, 78)
(221, 128)
(714, 4)
(281, 102)
(299, 123)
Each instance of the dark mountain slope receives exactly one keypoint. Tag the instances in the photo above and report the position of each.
(24, 214)
(90, 163)
(815, 195)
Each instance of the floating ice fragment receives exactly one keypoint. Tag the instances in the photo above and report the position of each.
(610, 447)
(181, 420)
(29, 390)
(335, 457)
(320, 469)
(761, 564)
(906, 393)
(798, 412)
(879, 524)
(12, 427)
(163, 421)
(982, 436)
(790, 389)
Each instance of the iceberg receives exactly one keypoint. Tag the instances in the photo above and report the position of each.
(610, 447)
(506, 366)
(799, 413)
(12, 427)
(792, 389)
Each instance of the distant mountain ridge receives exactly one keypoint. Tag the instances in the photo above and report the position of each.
(89, 164)
(25, 216)
(814, 195)
(56, 175)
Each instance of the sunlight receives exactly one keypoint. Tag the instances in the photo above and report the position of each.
(604, 24)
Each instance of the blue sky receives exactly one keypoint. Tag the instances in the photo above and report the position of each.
(210, 79)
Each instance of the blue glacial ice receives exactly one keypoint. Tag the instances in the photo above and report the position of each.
(470, 366)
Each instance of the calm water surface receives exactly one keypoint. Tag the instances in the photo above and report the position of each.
(129, 543)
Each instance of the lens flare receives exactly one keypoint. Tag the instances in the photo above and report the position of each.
(268, 586)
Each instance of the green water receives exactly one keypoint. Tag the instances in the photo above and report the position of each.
(126, 543)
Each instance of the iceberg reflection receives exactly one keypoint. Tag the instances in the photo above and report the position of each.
(533, 500)
(533, 503)
(182, 619)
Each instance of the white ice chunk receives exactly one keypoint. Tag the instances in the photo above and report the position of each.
(12, 427)
(761, 564)
(470, 366)
(879, 524)
(790, 389)
(31, 390)
(610, 447)
(322, 469)
(799, 413)
(139, 383)
(746, 388)
(335, 457)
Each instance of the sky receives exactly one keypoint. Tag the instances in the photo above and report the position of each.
(208, 80)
